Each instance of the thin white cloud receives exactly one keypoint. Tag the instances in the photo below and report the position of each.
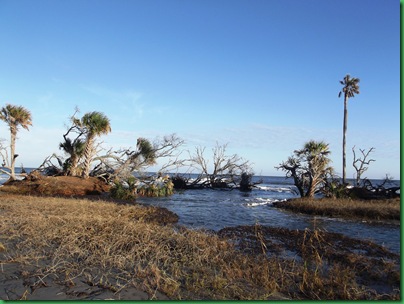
(268, 145)
(127, 102)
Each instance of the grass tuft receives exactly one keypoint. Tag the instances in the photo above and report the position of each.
(388, 209)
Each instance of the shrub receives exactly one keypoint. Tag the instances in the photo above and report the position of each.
(132, 187)
(335, 189)
(124, 190)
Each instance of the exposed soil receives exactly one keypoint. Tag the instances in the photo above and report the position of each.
(66, 186)
(92, 188)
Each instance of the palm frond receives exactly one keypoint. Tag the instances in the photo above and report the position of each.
(16, 116)
(96, 123)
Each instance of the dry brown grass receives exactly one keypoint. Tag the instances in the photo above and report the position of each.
(116, 246)
(388, 209)
(323, 265)
(113, 245)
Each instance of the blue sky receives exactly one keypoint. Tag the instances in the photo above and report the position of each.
(260, 75)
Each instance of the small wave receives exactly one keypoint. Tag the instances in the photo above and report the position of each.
(261, 202)
(258, 202)
(274, 189)
(3, 179)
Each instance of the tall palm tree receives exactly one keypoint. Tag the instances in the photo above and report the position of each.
(94, 124)
(351, 87)
(15, 116)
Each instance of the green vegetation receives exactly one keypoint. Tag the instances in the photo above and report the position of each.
(75, 148)
(132, 187)
(125, 192)
(146, 150)
(309, 167)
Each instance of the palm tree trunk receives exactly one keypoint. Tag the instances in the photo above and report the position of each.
(13, 136)
(315, 181)
(297, 180)
(344, 139)
(88, 155)
(73, 165)
(311, 191)
(311, 187)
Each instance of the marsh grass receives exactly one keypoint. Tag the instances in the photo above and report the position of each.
(322, 265)
(114, 246)
(388, 209)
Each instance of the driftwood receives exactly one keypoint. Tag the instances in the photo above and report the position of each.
(49, 168)
(369, 191)
(181, 182)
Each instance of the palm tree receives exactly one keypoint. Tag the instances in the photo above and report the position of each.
(351, 87)
(309, 167)
(146, 150)
(93, 124)
(145, 154)
(315, 153)
(15, 116)
(75, 149)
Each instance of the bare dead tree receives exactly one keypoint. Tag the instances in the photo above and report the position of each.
(168, 148)
(49, 168)
(5, 164)
(293, 169)
(225, 172)
(361, 163)
(386, 189)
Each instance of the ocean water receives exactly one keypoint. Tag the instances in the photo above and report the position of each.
(4, 177)
(217, 209)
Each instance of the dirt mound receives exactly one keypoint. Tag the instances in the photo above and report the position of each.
(56, 186)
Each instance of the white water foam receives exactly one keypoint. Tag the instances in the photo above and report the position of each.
(3, 178)
(259, 201)
(274, 189)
